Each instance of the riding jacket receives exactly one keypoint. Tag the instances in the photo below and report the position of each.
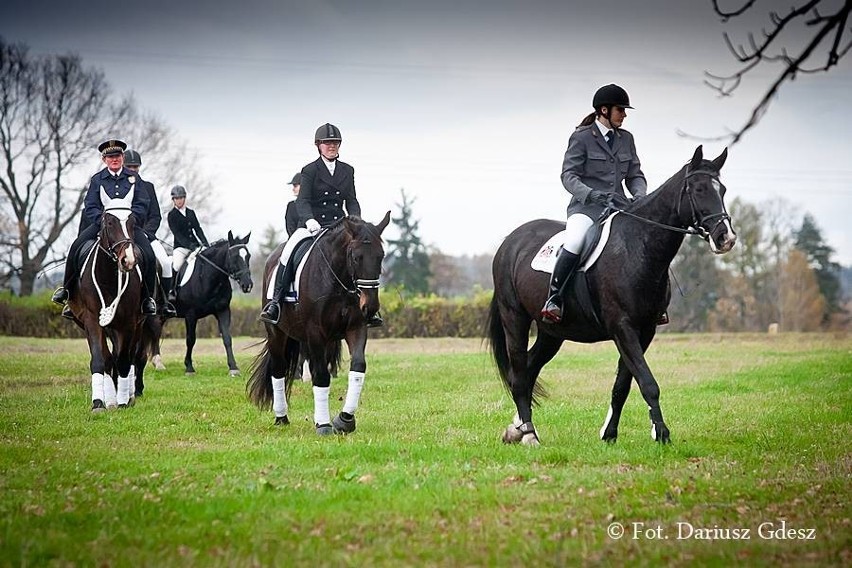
(153, 217)
(323, 197)
(117, 186)
(590, 164)
(291, 218)
(186, 229)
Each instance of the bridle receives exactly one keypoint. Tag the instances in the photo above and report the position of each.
(235, 276)
(697, 226)
(358, 285)
(112, 250)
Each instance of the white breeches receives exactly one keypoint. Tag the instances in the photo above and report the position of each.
(179, 257)
(164, 259)
(294, 239)
(575, 232)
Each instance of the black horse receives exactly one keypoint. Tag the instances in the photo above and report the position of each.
(106, 306)
(208, 292)
(628, 289)
(337, 293)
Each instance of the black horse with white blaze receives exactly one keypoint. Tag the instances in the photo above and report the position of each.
(627, 290)
(208, 291)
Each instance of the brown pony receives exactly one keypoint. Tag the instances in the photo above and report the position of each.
(337, 293)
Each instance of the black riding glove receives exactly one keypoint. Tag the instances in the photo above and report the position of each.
(618, 201)
(597, 197)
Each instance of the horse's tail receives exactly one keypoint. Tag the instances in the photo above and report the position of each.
(152, 329)
(495, 335)
(259, 385)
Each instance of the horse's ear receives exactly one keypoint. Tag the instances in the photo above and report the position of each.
(695, 163)
(245, 240)
(230, 237)
(384, 222)
(720, 161)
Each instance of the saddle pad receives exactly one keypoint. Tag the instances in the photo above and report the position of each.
(545, 258)
(189, 266)
(300, 256)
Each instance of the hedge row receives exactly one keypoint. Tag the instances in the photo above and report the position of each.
(411, 317)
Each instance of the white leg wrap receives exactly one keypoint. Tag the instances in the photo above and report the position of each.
(279, 398)
(606, 421)
(123, 395)
(109, 392)
(97, 386)
(516, 421)
(353, 392)
(321, 415)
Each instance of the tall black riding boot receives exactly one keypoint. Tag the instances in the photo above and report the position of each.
(566, 264)
(168, 308)
(272, 310)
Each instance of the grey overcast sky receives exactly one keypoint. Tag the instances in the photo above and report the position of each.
(468, 105)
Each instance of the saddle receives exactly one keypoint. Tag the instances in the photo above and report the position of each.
(292, 271)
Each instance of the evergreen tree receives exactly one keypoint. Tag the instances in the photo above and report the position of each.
(408, 259)
(809, 240)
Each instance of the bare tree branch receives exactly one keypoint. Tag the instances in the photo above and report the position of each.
(764, 51)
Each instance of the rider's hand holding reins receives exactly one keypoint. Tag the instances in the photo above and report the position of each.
(312, 226)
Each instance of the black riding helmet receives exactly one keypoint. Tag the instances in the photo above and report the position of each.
(610, 95)
(178, 191)
(327, 132)
(132, 158)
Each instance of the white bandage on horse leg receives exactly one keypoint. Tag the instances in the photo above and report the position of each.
(123, 395)
(279, 398)
(353, 392)
(97, 386)
(109, 392)
(321, 415)
(516, 421)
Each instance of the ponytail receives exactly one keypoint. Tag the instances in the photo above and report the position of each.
(590, 118)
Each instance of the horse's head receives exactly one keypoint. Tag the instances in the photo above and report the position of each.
(239, 261)
(702, 203)
(364, 255)
(116, 236)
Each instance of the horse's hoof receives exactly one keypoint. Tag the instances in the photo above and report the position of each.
(158, 363)
(660, 433)
(324, 430)
(512, 435)
(343, 425)
(138, 394)
(529, 437)
(530, 440)
(281, 421)
(122, 405)
(111, 406)
(234, 372)
(190, 373)
(98, 406)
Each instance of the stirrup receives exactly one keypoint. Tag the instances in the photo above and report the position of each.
(552, 311)
(271, 312)
(149, 306)
(375, 320)
(60, 296)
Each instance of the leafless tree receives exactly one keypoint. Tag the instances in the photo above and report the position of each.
(825, 25)
(53, 113)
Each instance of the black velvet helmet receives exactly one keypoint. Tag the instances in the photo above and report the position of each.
(327, 132)
(132, 158)
(178, 191)
(611, 95)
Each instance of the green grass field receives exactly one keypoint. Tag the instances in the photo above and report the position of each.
(758, 472)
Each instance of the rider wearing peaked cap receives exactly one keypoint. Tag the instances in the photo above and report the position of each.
(113, 182)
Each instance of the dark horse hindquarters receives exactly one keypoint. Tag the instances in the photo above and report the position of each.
(628, 288)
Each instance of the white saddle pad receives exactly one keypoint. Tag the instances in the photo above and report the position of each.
(190, 266)
(292, 294)
(545, 258)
